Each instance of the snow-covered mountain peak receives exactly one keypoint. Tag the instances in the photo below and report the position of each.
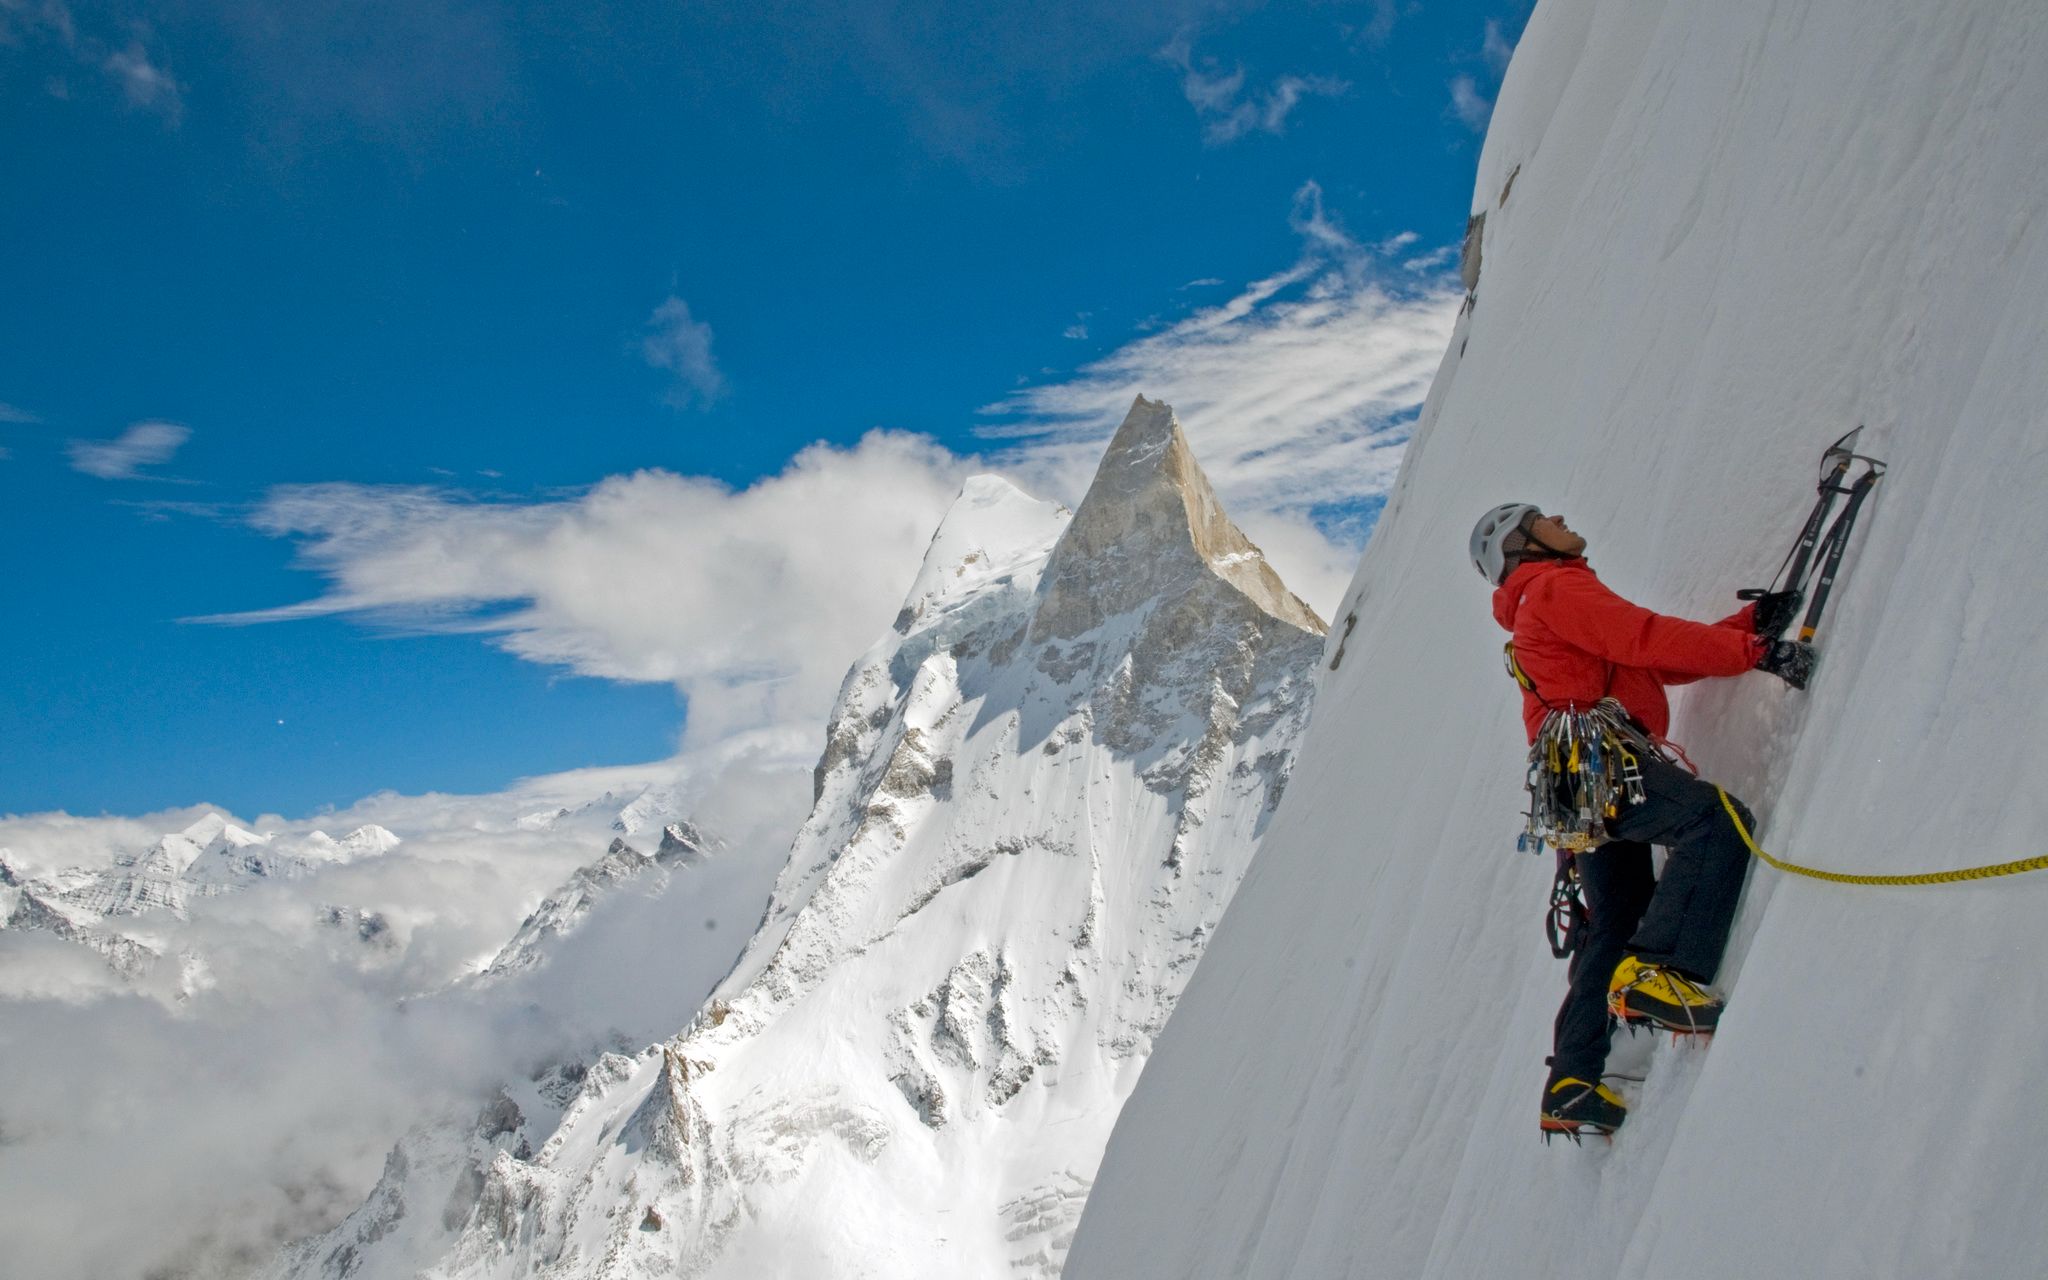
(683, 844)
(367, 841)
(1021, 840)
(1151, 528)
(214, 826)
(992, 531)
(207, 858)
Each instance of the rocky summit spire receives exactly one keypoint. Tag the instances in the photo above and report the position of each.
(1151, 523)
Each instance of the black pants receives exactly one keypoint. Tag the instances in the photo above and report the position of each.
(1681, 920)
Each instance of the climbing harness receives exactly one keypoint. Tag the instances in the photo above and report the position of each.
(1583, 766)
(1818, 553)
(1989, 872)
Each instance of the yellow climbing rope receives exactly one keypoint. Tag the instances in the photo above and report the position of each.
(1843, 877)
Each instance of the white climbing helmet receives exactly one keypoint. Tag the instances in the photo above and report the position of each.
(1489, 537)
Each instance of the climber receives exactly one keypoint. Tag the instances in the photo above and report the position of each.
(1654, 943)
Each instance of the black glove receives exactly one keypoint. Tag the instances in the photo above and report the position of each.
(1774, 610)
(1790, 661)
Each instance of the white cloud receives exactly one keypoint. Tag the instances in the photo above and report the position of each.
(9, 413)
(1075, 331)
(1297, 395)
(146, 444)
(1469, 105)
(1496, 48)
(143, 80)
(675, 342)
(751, 602)
(1435, 260)
(145, 84)
(52, 16)
(1381, 25)
(1227, 112)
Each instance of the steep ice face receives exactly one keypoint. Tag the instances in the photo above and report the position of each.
(1036, 794)
(1716, 237)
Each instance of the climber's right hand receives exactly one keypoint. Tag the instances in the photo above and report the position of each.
(1790, 660)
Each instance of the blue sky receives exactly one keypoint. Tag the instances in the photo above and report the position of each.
(459, 362)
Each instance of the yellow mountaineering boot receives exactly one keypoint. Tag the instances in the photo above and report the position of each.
(1641, 992)
(1572, 1106)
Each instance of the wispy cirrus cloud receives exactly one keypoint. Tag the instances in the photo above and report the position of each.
(144, 83)
(11, 415)
(1226, 110)
(1471, 107)
(1495, 47)
(1378, 27)
(1470, 103)
(146, 444)
(141, 75)
(22, 19)
(1298, 393)
(679, 344)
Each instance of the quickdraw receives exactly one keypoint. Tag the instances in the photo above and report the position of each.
(1585, 764)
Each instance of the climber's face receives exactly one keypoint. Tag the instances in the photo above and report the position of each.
(1554, 534)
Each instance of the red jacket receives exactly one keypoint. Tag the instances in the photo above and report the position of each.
(1579, 642)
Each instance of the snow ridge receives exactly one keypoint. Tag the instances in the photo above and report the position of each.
(682, 845)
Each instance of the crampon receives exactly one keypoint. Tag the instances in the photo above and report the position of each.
(1662, 999)
(1573, 1108)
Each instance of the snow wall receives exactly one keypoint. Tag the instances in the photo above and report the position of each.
(1734, 230)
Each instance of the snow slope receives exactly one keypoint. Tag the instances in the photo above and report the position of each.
(1036, 794)
(1717, 235)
